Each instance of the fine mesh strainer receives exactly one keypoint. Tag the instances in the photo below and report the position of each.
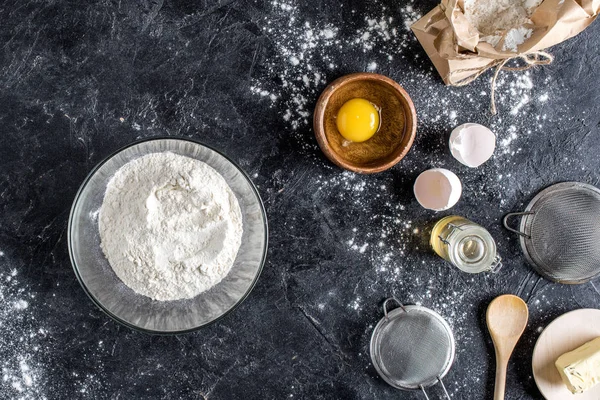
(560, 232)
(412, 347)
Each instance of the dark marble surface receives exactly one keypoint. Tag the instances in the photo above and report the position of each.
(81, 80)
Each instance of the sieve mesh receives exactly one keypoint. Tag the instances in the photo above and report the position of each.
(415, 349)
(563, 234)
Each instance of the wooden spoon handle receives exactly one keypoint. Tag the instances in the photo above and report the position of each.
(500, 379)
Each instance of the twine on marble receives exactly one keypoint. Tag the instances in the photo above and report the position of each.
(530, 59)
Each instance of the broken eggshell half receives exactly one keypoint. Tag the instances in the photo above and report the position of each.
(472, 144)
(438, 189)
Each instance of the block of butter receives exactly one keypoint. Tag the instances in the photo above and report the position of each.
(580, 368)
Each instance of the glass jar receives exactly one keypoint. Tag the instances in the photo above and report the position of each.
(464, 244)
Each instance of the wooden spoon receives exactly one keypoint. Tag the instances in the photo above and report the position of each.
(506, 320)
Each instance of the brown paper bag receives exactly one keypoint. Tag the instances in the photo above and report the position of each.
(453, 44)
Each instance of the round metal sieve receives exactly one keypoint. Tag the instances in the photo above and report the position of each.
(560, 232)
(412, 347)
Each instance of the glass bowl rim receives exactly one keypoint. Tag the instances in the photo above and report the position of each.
(83, 186)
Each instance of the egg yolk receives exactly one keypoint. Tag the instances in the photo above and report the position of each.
(358, 120)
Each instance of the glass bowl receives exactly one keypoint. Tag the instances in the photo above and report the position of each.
(134, 310)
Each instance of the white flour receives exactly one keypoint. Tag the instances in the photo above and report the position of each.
(170, 226)
(494, 17)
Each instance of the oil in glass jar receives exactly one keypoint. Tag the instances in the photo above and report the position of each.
(464, 244)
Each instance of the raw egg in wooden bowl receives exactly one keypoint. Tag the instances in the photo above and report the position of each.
(365, 122)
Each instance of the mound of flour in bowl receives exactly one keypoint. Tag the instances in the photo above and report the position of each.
(492, 18)
(170, 226)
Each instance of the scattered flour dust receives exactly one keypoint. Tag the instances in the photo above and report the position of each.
(170, 226)
(390, 242)
(307, 53)
(21, 342)
(385, 238)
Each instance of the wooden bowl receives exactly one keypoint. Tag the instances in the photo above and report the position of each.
(396, 132)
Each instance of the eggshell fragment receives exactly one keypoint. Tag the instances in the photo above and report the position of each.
(437, 189)
(472, 144)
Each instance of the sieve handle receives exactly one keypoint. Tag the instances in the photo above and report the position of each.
(517, 214)
(387, 302)
(443, 387)
(424, 392)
